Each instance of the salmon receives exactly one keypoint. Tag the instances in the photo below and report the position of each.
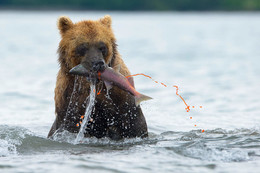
(114, 77)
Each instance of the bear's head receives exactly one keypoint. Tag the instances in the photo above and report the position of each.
(90, 44)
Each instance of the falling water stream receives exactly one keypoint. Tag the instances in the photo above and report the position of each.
(90, 103)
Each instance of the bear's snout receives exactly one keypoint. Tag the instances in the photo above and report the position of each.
(99, 66)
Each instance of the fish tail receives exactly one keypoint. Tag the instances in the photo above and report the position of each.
(141, 97)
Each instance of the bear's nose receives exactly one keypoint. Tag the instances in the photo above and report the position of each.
(99, 66)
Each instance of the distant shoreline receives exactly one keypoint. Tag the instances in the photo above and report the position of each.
(101, 10)
(134, 5)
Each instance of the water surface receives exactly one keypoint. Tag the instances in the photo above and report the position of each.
(212, 57)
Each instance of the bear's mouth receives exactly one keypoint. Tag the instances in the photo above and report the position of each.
(80, 70)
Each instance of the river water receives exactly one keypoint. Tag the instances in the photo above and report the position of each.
(213, 58)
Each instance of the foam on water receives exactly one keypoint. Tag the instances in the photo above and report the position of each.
(193, 149)
(10, 137)
(213, 145)
(6, 148)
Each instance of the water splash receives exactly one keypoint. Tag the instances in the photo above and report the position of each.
(10, 138)
(90, 103)
(73, 107)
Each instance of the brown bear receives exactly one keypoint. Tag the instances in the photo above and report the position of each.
(93, 44)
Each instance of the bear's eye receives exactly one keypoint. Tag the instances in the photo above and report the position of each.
(81, 50)
(103, 49)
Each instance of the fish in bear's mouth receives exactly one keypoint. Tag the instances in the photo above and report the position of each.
(111, 77)
(91, 75)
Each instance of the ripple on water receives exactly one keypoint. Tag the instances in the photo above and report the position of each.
(212, 145)
(216, 145)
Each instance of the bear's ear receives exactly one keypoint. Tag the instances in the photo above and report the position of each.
(106, 20)
(64, 24)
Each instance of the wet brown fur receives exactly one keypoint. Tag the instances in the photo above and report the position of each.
(127, 119)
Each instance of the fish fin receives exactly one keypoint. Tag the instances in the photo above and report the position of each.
(140, 98)
(108, 85)
(131, 81)
(117, 68)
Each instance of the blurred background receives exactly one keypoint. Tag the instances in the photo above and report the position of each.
(135, 5)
